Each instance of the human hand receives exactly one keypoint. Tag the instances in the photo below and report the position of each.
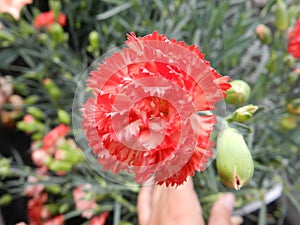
(160, 205)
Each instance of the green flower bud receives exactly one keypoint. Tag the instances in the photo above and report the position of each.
(21, 88)
(234, 161)
(52, 89)
(5, 167)
(37, 136)
(35, 112)
(289, 122)
(63, 208)
(57, 34)
(32, 99)
(52, 208)
(294, 106)
(31, 126)
(94, 40)
(72, 156)
(239, 92)
(60, 166)
(243, 114)
(281, 15)
(5, 199)
(53, 188)
(6, 39)
(63, 116)
(264, 34)
(43, 38)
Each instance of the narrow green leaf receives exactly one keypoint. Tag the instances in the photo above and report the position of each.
(262, 216)
(113, 11)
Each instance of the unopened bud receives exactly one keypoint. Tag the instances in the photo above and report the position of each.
(94, 40)
(57, 33)
(289, 122)
(63, 208)
(52, 208)
(35, 112)
(60, 166)
(234, 161)
(5, 167)
(52, 89)
(243, 114)
(281, 15)
(5, 199)
(53, 188)
(68, 156)
(264, 34)
(63, 116)
(239, 92)
(6, 39)
(294, 106)
(32, 99)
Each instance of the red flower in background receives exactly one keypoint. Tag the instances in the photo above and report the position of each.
(47, 19)
(294, 41)
(55, 135)
(57, 220)
(142, 117)
(43, 152)
(99, 220)
(37, 212)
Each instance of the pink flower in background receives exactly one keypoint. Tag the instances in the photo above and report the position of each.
(142, 116)
(294, 41)
(46, 19)
(34, 190)
(99, 220)
(13, 7)
(55, 135)
(82, 202)
(45, 153)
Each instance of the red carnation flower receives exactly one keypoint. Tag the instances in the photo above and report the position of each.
(46, 19)
(294, 41)
(143, 117)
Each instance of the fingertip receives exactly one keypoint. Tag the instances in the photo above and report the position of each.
(236, 220)
(221, 211)
(228, 199)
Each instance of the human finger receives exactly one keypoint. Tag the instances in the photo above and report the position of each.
(144, 204)
(220, 213)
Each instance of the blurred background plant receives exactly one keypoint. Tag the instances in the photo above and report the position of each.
(45, 52)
